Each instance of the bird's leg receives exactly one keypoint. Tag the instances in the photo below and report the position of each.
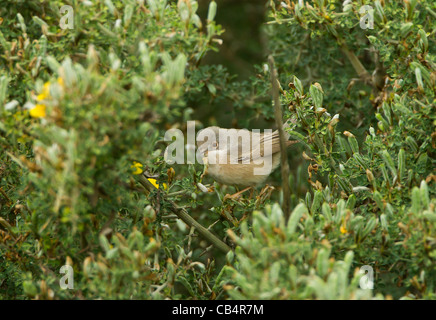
(237, 195)
(251, 193)
(206, 166)
(264, 194)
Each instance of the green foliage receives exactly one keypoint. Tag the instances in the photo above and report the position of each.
(274, 250)
(102, 91)
(84, 110)
(370, 205)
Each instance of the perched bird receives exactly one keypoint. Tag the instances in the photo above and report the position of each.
(238, 156)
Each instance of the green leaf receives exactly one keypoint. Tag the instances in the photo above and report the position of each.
(316, 95)
(295, 217)
(298, 85)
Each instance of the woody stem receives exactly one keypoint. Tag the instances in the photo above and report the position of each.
(278, 114)
(184, 215)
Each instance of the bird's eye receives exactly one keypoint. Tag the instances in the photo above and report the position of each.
(215, 144)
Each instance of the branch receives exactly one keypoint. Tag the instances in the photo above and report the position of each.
(355, 62)
(278, 114)
(183, 214)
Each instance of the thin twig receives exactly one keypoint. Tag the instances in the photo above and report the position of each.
(183, 214)
(355, 62)
(6, 196)
(286, 204)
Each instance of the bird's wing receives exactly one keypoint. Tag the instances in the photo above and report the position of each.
(258, 147)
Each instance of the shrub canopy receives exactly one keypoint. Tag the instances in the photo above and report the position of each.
(84, 111)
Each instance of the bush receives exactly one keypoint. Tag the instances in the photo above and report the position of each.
(84, 112)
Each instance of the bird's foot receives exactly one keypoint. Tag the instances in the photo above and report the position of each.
(238, 194)
(206, 166)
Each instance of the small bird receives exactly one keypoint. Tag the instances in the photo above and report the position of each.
(247, 163)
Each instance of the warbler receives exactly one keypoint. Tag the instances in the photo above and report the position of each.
(238, 156)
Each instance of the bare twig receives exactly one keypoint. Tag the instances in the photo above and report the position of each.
(278, 114)
(183, 214)
(355, 62)
(6, 196)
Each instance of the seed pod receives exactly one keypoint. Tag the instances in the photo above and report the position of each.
(322, 262)
(110, 6)
(340, 211)
(389, 162)
(372, 131)
(412, 144)
(341, 168)
(369, 227)
(378, 200)
(416, 200)
(401, 164)
(425, 199)
(53, 64)
(230, 256)
(345, 185)
(389, 209)
(327, 212)
(380, 11)
(409, 177)
(345, 147)
(410, 8)
(308, 224)
(39, 21)
(371, 179)
(104, 243)
(70, 75)
(387, 112)
(184, 11)
(351, 202)
(348, 260)
(212, 11)
(384, 222)
(360, 161)
(353, 144)
(295, 217)
(22, 23)
(308, 199)
(382, 120)
(423, 41)
(128, 12)
(419, 78)
(293, 275)
(318, 197)
(423, 71)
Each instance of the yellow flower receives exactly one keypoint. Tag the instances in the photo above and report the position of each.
(45, 94)
(137, 166)
(61, 82)
(343, 229)
(41, 97)
(38, 111)
(156, 185)
(46, 89)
